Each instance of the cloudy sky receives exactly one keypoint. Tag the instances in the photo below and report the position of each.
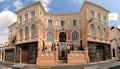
(8, 10)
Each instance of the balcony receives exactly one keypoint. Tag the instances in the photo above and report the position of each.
(62, 43)
(28, 22)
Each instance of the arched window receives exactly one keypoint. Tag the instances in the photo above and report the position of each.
(92, 30)
(33, 31)
(50, 36)
(75, 36)
(26, 32)
(104, 33)
(21, 34)
(99, 31)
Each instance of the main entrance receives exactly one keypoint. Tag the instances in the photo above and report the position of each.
(24, 54)
(62, 46)
(100, 53)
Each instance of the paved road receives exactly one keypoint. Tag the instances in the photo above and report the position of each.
(101, 65)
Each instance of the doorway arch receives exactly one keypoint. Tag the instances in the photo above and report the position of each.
(62, 37)
(100, 53)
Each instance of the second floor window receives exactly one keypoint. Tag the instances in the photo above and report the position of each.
(92, 14)
(104, 18)
(92, 30)
(49, 22)
(21, 34)
(26, 32)
(26, 16)
(50, 36)
(99, 31)
(33, 30)
(62, 23)
(98, 17)
(104, 33)
(20, 19)
(75, 36)
(75, 22)
(32, 14)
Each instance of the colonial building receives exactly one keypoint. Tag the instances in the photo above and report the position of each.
(115, 42)
(47, 38)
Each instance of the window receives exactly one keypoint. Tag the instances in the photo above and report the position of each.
(104, 17)
(104, 33)
(99, 17)
(20, 19)
(75, 36)
(84, 16)
(33, 30)
(49, 22)
(99, 32)
(62, 23)
(74, 22)
(50, 36)
(21, 34)
(26, 16)
(92, 30)
(92, 14)
(26, 32)
(32, 14)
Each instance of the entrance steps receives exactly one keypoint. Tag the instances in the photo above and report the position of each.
(62, 61)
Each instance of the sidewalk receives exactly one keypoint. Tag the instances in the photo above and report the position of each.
(102, 65)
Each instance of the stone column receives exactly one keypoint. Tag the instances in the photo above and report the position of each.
(86, 54)
(56, 54)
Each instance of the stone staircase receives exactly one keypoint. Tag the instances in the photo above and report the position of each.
(62, 61)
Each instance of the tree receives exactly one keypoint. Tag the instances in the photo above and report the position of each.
(13, 40)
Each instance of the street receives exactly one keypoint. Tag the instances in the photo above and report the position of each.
(100, 65)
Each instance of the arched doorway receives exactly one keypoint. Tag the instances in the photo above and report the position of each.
(62, 54)
(100, 53)
(62, 37)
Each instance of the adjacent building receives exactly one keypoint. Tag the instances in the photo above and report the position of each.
(47, 38)
(115, 42)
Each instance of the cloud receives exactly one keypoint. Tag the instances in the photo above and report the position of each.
(6, 18)
(113, 16)
(45, 4)
(77, 1)
(3, 35)
(2, 0)
(18, 4)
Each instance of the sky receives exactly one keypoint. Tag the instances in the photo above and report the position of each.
(8, 9)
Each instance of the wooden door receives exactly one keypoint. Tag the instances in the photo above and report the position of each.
(24, 55)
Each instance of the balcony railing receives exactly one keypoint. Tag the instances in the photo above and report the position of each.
(62, 43)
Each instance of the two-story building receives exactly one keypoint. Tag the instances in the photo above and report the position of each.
(48, 38)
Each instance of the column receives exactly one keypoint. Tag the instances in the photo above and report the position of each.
(86, 54)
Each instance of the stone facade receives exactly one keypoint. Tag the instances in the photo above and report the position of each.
(45, 38)
(9, 55)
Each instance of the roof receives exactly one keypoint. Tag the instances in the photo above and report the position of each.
(12, 24)
(87, 2)
(36, 3)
